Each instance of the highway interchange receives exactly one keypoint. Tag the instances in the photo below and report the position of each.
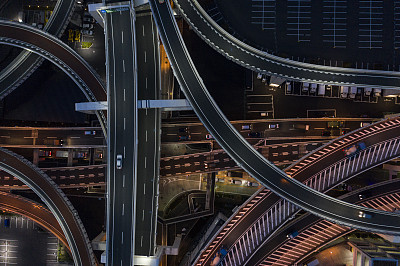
(122, 88)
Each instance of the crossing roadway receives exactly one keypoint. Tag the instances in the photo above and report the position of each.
(245, 156)
(122, 137)
(260, 61)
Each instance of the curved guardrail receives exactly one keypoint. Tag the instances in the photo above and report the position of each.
(26, 63)
(55, 200)
(307, 171)
(243, 153)
(54, 50)
(282, 211)
(34, 211)
(256, 60)
(318, 233)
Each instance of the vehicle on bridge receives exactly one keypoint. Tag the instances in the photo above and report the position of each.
(185, 137)
(292, 234)
(353, 150)
(119, 161)
(364, 215)
(209, 136)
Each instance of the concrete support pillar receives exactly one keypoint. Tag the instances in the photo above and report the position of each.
(70, 157)
(36, 157)
(91, 156)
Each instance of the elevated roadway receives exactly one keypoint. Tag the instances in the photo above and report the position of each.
(149, 133)
(55, 200)
(259, 61)
(27, 62)
(314, 233)
(240, 151)
(122, 136)
(218, 160)
(54, 50)
(34, 211)
(322, 169)
(48, 137)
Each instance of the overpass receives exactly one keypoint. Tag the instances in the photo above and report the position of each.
(55, 200)
(94, 175)
(322, 170)
(240, 151)
(54, 50)
(149, 133)
(315, 233)
(27, 62)
(260, 61)
(34, 211)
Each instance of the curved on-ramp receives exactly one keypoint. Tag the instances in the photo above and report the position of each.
(322, 170)
(26, 62)
(34, 211)
(55, 200)
(243, 153)
(54, 50)
(314, 233)
(260, 61)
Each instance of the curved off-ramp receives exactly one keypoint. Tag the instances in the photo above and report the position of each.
(26, 62)
(243, 153)
(315, 233)
(322, 169)
(55, 200)
(54, 50)
(260, 61)
(36, 212)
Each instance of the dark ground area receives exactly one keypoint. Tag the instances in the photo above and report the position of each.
(237, 19)
(223, 78)
(47, 95)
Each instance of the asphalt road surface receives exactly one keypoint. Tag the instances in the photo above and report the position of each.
(122, 99)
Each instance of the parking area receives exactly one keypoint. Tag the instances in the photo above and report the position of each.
(396, 22)
(259, 100)
(366, 95)
(263, 13)
(299, 19)
(23, 242)
(361, 34)
(370, 23)
(335, 23)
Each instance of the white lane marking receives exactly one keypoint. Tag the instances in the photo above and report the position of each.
(123, 65)
(122, 240)
(143, 29)
(144, 188)
(143, 216)
(124, 122)
(123, 180)
(141, 241)
(75, 137)
(123, 209)
(145, 56)
(146, 82)
(121, 262)
(146, 135)
(122, 37)
(124, 95)
(145, 162)
(124, 152)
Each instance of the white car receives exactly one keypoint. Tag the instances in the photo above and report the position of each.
(119, 161)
